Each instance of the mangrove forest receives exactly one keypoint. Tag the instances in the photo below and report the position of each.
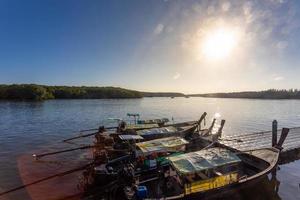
(266, 94)
(42, 92)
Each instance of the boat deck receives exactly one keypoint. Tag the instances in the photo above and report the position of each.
(250, 141)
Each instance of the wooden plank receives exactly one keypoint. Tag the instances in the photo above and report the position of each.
(294, 129)
(250, 141)
(260, 140)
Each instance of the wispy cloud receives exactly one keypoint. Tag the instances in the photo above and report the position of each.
(278, 1)
(278, 78)
(169, 29)
(176, 76)
(281, 45)
(158, 29)
(226, 6)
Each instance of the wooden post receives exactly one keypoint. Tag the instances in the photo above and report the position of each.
(274, 133)
(220, 131)
(284, 133)
(200, 121)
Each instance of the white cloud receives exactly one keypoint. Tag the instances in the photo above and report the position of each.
(278, 1)
(197, 8)
(158, 29)
(281, 45)
(176, 76)
(278, 78)
(169, 29)
(211, 10)
(226, 6)
(247, 10)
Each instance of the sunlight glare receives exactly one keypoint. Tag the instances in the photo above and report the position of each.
(219, 43)
(217, 115)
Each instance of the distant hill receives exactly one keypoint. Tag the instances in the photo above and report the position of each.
(266, 94)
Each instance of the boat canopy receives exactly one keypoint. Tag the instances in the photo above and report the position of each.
(201, 160)
(130, 137)
(141, 126)
(169, 144)
(157, 131)
(153, 121)
(133, 114)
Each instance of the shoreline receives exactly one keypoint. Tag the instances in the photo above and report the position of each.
(34, 92)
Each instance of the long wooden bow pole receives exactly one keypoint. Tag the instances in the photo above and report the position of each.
(46, 178)
(37, 156)
(80, 136)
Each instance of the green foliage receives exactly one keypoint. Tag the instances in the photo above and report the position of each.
(266, 94)
(40, 92)
(24, 92)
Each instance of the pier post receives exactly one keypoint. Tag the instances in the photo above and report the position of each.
(274, 133)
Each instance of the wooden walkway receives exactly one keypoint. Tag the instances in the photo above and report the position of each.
(244, 142)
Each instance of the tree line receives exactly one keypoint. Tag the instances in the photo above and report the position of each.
(266, 94)
(42, 92)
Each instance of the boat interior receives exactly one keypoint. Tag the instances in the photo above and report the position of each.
(171, 183)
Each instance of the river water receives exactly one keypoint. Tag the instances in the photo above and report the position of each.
(28, 126)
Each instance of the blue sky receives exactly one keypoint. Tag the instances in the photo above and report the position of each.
(151, 45)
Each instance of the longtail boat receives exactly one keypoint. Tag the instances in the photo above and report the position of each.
(206, 171)
(137, 124)
(174, 130)
(175, 169)
(148, 131)
(137, 120)
(146, 158)
(214, 169)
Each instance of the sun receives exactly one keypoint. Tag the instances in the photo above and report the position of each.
(219, 43)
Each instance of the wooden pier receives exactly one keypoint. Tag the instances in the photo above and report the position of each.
(250, 141)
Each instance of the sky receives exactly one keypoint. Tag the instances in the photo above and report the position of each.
(184, 46)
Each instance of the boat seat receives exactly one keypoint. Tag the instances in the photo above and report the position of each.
(218, 173)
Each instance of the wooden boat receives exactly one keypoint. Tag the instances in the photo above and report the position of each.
(153, 130)
(138, 121)
(154, 151)
(214, 169)
(183, 129)
(174, 130)
(129, 143)
(187, 130)
(146, 158)
(210, 170)
(123, 125)
(160, 122)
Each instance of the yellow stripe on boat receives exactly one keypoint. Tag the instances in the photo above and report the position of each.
(204, 185)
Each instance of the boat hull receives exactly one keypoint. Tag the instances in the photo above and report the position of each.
(268, 156)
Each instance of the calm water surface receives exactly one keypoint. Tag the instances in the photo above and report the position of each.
(28, 126)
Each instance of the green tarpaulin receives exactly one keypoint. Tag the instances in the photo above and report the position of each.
(169, 144)
(157, 131)
(205, 159)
